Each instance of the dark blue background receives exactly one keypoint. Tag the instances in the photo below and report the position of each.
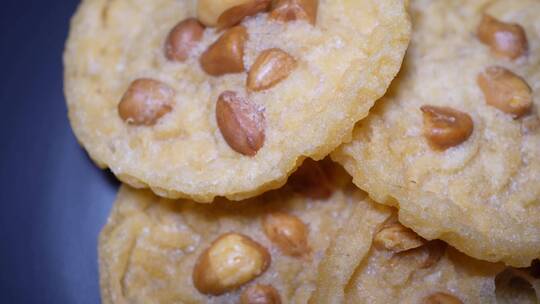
(53, 200)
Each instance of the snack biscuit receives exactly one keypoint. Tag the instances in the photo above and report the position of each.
(455, 144)
(155, 250)
(198, 99)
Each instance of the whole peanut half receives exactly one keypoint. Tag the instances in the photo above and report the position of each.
(271, 67)
(231, 261)
(226, 55)
(288, 233)
(506, 91)
(182, 39)
(445, 127)
(145, 102)
(241, 123)
(507, 40)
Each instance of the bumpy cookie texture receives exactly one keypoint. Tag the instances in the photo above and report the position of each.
(155, 250)
(338, 67)
(349, 247)
(481, 194)
(437, 273)
(356, 269)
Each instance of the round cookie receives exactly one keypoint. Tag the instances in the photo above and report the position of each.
(199, 112)
(455, 144)
(155, 250)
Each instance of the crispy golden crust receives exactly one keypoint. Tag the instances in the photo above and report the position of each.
(345, 63)
(482, 196)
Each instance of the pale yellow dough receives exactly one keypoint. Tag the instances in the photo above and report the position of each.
(382, 278)
(355, 271)
(345, 63)
(483, 196)
(149, 246)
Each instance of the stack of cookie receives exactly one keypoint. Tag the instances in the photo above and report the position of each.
(219, 115)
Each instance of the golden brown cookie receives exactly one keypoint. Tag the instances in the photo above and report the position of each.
(455, 144)
(201, 99)
(155, 250)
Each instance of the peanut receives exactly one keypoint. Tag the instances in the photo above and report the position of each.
(231, 261)
(182, 39)
(271, 67)
(445, 127)
(226, 55)
(506, 91)
(507, 40)
(240, 123)
(145, 102)
(288, 232)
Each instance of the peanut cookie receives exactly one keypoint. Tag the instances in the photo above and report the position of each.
(207, 98)
(155, 250)
(456, 142)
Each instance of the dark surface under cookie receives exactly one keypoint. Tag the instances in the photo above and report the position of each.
(53, 201)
